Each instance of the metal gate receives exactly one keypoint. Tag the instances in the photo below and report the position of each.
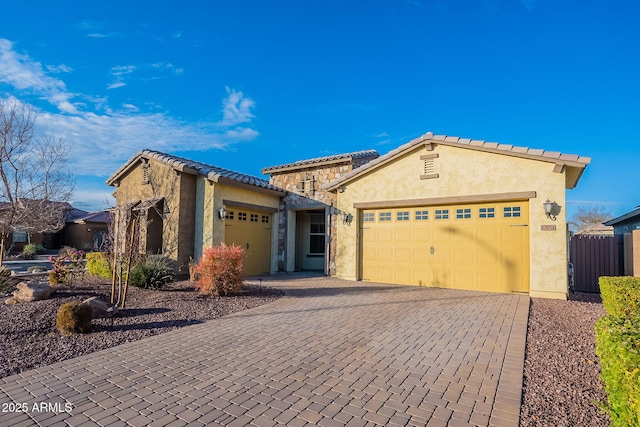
(594, 256)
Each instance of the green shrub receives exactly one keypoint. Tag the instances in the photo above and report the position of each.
(618, 347)
(620, 295)
(74, 317)
(151, 272)
(98, 264)
(220, 270)
(31, 250)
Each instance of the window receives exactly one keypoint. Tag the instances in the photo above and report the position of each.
(487, 213)
(463, 213)
(442, 213)
(265, 219)
(242, 216)
(316, 234)
(402, 216)
(254, 217)
(19, 237)
(422, 215)
(229, 215)
(385, 216)
(368, 217)
(512, 212)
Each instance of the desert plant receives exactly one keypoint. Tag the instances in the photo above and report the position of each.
(67, 265)
(31, 250)
(98, 264)
(151, 272)
(74, 317)
(220, 271)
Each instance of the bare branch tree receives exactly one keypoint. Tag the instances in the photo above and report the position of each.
(35, 176)
(588, 218)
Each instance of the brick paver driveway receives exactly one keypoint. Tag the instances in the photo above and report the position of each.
(329, 353)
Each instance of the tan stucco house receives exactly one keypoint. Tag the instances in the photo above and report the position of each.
(438, 211)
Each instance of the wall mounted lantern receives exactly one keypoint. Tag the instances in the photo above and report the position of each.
(346, 217)
(551, 209)
(222, 213)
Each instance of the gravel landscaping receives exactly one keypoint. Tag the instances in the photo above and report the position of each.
(561, 378)
(28, 338)
(562, 375)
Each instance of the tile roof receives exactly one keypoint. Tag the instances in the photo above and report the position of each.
(101, 216)
(213, 173)
(322, 160)
(429, 137)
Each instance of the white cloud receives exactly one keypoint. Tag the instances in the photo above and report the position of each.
(236, 108)
(103, 138)
(116, 85)
(21, 72)
(62, 68)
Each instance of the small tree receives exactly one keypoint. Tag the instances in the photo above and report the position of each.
(589, 217)
(35, 178)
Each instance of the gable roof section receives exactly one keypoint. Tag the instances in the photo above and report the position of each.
(321, 161)
(212, 173)
(629, 216)
(576, 163)
(96, 217)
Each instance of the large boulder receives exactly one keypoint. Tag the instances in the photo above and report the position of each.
(100, 309)
(31, 291)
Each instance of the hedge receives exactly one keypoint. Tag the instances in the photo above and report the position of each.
(618, 347)
(98, 264)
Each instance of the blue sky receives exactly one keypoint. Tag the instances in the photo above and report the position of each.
(249, 84)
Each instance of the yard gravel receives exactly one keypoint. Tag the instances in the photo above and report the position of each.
(28, 338)
(561, 386)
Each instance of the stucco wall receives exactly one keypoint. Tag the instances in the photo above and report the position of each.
(467, 172)
(163, 182)
(210, 229)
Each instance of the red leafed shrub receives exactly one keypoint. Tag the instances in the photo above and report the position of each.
(220, 271)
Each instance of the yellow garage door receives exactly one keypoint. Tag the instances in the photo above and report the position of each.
(473, 246)
(250, 230)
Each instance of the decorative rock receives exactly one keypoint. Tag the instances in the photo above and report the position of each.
(100, 309)
(32, 291)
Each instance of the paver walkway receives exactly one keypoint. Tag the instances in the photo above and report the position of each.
(329, 353)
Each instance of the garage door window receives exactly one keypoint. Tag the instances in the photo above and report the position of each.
(229, 215)
(242, 216)
(402, 216)
(254, 217)
(463, 213)
(368, 217)
(512, 212)
(385, 216)
(422, 215)
(265, 219)
(442, 213)
(487, 213)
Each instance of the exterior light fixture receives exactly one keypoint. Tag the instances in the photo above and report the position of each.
(222, 213)
(551, 209)
(346, 217)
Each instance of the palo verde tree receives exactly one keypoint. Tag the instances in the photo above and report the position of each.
(36, 181)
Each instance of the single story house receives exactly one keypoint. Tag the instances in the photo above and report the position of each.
(437, 211)
(625, 223)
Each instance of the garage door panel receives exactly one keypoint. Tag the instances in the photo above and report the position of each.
(251, 230)
(466, 247)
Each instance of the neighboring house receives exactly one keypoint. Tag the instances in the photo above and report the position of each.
(306, 238)
(625, 223)
(189, 206)
(438, 211)
(85, 230)
(595, 230)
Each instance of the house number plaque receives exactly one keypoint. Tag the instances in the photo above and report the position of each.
(548, 227)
